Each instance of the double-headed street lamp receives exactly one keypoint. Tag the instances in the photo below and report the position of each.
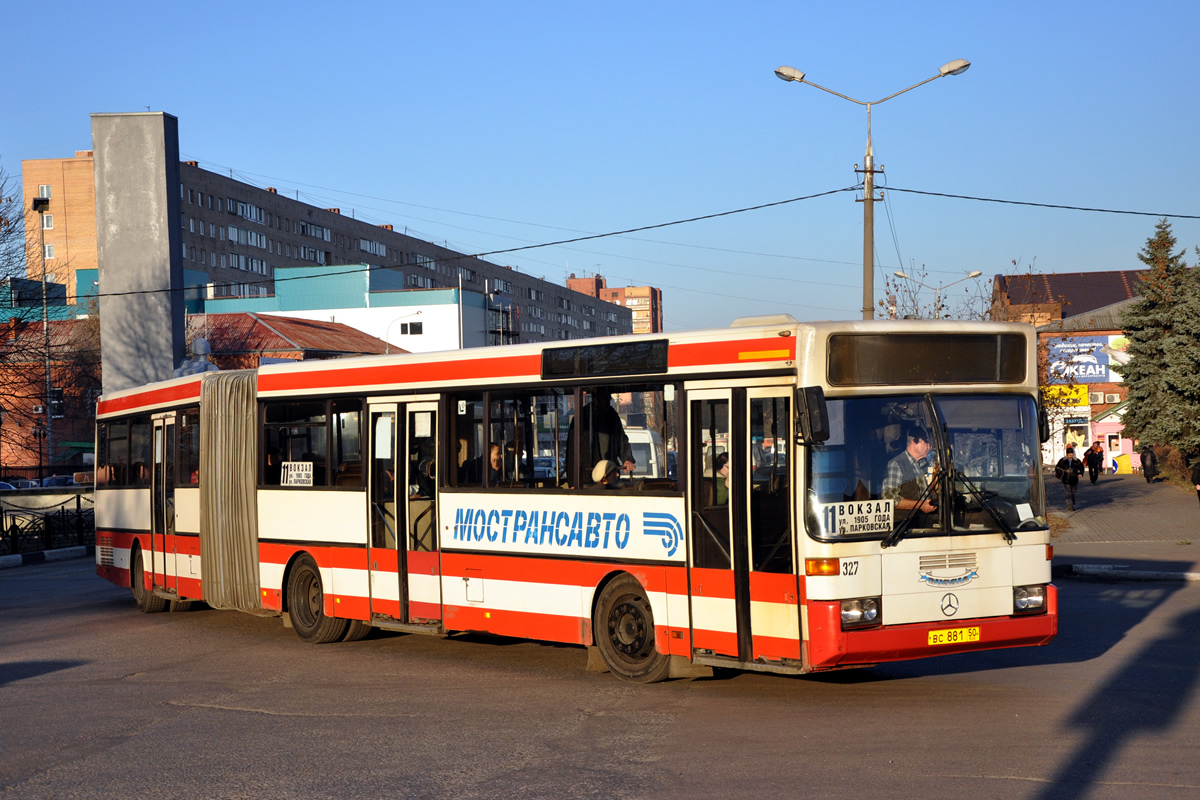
(956, 67)
(937, 290)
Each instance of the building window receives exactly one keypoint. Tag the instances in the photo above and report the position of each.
(44, 190)
(191, 200)
(191, 225)
(49, 252)
(47, 222)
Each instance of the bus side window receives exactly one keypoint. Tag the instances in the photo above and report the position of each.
(466, 414)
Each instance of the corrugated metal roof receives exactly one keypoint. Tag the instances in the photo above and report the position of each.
(1105, 318)
(251, 333)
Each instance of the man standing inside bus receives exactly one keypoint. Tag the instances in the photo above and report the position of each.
(602, 435)
(906, 481)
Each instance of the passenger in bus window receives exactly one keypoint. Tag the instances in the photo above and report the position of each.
(907, 479)
(473, 470)
(721, 465)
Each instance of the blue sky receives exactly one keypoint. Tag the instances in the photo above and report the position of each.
(490, 126)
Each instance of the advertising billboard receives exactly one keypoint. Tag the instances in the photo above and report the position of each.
(1086, 359)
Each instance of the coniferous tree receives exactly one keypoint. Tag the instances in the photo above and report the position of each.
(1158, 341)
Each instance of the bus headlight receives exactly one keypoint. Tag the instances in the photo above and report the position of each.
(1029, 599)
(860, 612)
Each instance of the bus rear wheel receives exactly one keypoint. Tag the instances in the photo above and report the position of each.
(624, 633)
(306, 605)
(147, 601)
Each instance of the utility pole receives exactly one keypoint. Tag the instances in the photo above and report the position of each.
(40, 204)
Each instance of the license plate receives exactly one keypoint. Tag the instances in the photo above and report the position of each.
(954, 636)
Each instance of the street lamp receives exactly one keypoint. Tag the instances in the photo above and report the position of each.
(937, 291)
(3, 414)
(388, 332)
(956, 67)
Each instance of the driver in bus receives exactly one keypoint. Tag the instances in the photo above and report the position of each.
(907, 478)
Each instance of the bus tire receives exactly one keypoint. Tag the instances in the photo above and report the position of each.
(179, 606)
(357, 629)
(306, 605)
(147, 601)
(624, 633)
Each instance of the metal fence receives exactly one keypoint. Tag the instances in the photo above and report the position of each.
(69, 523)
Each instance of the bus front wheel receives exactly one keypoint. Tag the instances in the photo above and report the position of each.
(624, 633)
(306, 605)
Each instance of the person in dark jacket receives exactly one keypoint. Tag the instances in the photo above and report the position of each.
(1068, 469)
(1196, 473)
(1094, 458)
(1149, 463)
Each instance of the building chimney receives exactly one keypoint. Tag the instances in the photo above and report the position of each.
(271, 189)
(387, 227)
(337, 211)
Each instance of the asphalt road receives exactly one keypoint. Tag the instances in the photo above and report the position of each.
(99, 701)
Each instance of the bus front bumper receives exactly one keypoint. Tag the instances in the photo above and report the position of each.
(829, 647)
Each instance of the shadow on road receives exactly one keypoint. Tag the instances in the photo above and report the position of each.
(1093, 618)
(20, 670)
(1144, 697)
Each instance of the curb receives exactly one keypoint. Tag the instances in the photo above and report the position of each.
(1121, 572)
(42, 556)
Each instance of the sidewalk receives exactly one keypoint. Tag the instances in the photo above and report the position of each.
(42, 556)
(1128, 529)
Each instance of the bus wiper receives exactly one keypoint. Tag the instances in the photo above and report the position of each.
(986, 504)
(902, 528)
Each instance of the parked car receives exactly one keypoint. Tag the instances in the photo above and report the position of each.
(4, 487)
(544, 468)
(24, 483)
(58, 480)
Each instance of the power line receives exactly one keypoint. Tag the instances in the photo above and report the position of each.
(1044, 205)
(371, 268)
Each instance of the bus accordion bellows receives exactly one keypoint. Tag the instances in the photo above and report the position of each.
(843, 494)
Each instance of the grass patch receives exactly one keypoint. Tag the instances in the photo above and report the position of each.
(1058, 524)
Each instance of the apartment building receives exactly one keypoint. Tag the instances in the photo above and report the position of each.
(645, 302)
(238, 234)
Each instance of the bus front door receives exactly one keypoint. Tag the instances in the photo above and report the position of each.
(718, 573)
(162, 493)
(743, 581)
(404, 557)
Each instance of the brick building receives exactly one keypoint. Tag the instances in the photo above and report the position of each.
(645, 302)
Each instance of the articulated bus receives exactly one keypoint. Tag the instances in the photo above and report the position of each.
(845, 494)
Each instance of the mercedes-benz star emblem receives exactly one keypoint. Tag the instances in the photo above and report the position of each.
(949, 605)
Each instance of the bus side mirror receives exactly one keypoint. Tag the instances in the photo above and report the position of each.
(1043, 419)
(814, 414)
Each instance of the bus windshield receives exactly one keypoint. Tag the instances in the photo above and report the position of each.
(926, 465)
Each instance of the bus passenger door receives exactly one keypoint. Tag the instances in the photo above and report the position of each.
(423, 560)
(162, 494)
(774, 583)
(718, 574)
(384, 553)
(404, 557)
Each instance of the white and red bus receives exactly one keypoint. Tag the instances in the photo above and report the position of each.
(802, 529)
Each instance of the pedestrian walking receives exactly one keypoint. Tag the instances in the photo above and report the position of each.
(1068, 469)
(1149, 463)
(1094, 458)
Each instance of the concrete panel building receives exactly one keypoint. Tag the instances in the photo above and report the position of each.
(240, 234)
